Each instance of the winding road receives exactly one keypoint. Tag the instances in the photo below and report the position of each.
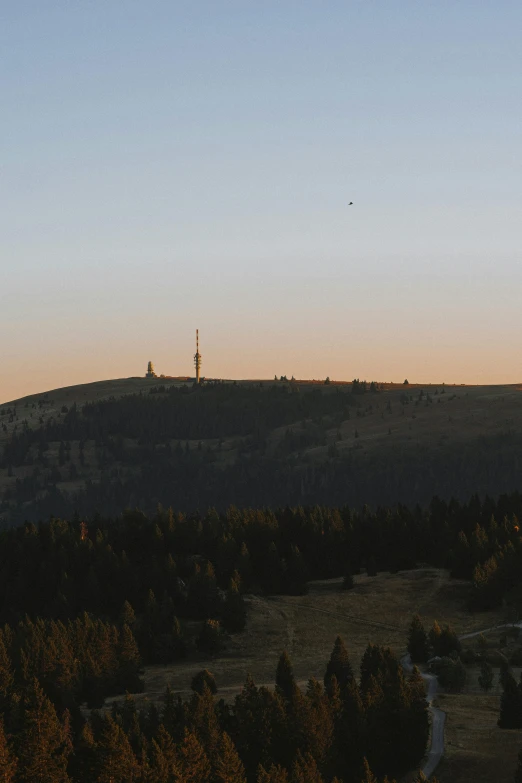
(438, 716)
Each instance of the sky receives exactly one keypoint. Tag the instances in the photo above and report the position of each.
(167, 166)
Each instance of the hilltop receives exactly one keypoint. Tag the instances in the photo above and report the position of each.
(49, 403)
(107, 445)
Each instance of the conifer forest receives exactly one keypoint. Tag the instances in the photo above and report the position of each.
(90, 597)
(260, 400)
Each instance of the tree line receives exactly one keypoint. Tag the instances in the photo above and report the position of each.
(67, 639)
(337, 730)
(197, 566)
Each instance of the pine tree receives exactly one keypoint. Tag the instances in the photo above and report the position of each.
(144, 773)
(159, 769)
(285, 682)
(202, 679)
(127, 616)
(348, 580)
(275, 774)
(485, 679)
(256, 714)
(505, 671)
(202, 720)
(434, 637)
(166, 611)
(202, 600)
(129, 661)
(335, 703)
(68, 732)
(234, 610)
(421, 778)
(115, 761)
(173, 715)
(349, 727)
(150, 628)
(210, 637)
(416, 685)
(452, 675)
(371, 567)
(378, 662)
(304, 770)
(84, 758)
(318, 723)
(194, 764)
(418, 647)
(244, 567)
(339, 665)
(150, 720)
(8, 761)
(518, 773)
(448, 642)
(228, 767)
(394, 719)
(414, 720)
(368, 776)
(296, 575)
(273, 570)
(64, 662)
(164, 764)
(276, 726)
(43, 747)
(179, 649)
(126, 715)
(6, 674)
(510, 705)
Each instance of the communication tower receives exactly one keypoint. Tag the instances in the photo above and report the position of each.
(197, 357)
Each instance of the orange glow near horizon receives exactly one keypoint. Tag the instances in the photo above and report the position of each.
(313, 209)
(37, 375)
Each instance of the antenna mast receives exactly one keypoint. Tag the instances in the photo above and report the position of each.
(197, 357)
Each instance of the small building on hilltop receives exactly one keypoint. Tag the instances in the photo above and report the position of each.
(150, 371)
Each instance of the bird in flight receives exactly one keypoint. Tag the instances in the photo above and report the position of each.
(350, 204)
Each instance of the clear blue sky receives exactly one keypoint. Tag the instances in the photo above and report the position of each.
(170, 165)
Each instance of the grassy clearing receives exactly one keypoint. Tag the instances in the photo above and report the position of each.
(377, 610)
(476, 749)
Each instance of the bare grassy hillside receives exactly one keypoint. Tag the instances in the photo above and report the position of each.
(397, 415)
(394, 444)
(36, 409)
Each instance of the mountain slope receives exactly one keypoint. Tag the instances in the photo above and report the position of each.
(142, 442)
